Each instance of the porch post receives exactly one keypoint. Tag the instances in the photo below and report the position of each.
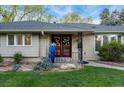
(80, 45)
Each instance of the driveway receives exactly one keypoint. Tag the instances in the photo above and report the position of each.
(91, 63)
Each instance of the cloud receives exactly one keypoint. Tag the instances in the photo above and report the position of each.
(84, 10)
(96, 20)
(89, 10)
(59, 11)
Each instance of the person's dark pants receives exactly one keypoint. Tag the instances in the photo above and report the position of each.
(52, 58)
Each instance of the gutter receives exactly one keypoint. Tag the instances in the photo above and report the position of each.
(108, 32)
(58, 30)
(46, 30)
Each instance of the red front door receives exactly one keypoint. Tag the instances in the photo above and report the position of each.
(63, 45)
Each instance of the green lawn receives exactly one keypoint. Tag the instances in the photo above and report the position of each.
(89, 76)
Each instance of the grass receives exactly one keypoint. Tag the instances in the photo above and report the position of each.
(87, 77)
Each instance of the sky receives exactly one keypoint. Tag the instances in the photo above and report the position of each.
(84, 10)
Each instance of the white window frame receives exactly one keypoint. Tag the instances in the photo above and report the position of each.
(15, 40)
(109, 39)
(7, 43)
(24, 39)
(96, 52)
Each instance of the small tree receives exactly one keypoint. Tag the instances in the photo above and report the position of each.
(1, 59)
(17, 58)
(111, 51)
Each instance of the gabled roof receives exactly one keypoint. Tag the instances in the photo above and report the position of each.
(43, 26)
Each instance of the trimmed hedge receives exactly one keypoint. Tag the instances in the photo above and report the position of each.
(17, 58)
(1, 59)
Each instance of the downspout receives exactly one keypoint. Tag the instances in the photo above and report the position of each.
(81, 47)
(41, 34)
(39, 45)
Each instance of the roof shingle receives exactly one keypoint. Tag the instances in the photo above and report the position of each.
(33, 25)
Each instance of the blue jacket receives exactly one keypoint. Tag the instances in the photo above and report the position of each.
(52, 50)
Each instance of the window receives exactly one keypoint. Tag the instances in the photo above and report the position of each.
(98, 41)
(119, 38)
(27, 39)
(10, 39)
(19, 39)
(113, 37)
(103, 39)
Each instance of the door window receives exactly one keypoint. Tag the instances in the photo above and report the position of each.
(63, 45)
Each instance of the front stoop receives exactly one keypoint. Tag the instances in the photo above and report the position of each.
(68, 65)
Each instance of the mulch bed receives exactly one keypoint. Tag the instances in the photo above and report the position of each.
(119, 64)
(8, 66)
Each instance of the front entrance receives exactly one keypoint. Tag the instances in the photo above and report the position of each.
(63, 45)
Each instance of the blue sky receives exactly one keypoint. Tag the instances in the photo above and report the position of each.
(84, 10)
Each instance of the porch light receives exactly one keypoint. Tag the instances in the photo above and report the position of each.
(98, 38)
(42, 32)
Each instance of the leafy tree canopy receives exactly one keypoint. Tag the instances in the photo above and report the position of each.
(113, 18)
(75, 18)
(37, 13)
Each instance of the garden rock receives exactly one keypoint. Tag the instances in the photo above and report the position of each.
(6, 63)
(67, 66)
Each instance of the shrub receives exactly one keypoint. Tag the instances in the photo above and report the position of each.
(112, 51)
(17, 58)
(1, 59)
(43, 65)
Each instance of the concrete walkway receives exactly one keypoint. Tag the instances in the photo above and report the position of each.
(91, 63)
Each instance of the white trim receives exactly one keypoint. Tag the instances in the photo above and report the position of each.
(30, 40)
(47, 30)
(102, 40)
(109, 39)
(109, 32)
(0, 40)
(23, 40)
(6, 40)
(95, 45)
(15, 40)
(7, 43)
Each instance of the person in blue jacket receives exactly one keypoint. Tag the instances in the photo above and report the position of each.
(52, 50)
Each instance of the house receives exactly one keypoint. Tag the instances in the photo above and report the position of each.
(75, 41)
